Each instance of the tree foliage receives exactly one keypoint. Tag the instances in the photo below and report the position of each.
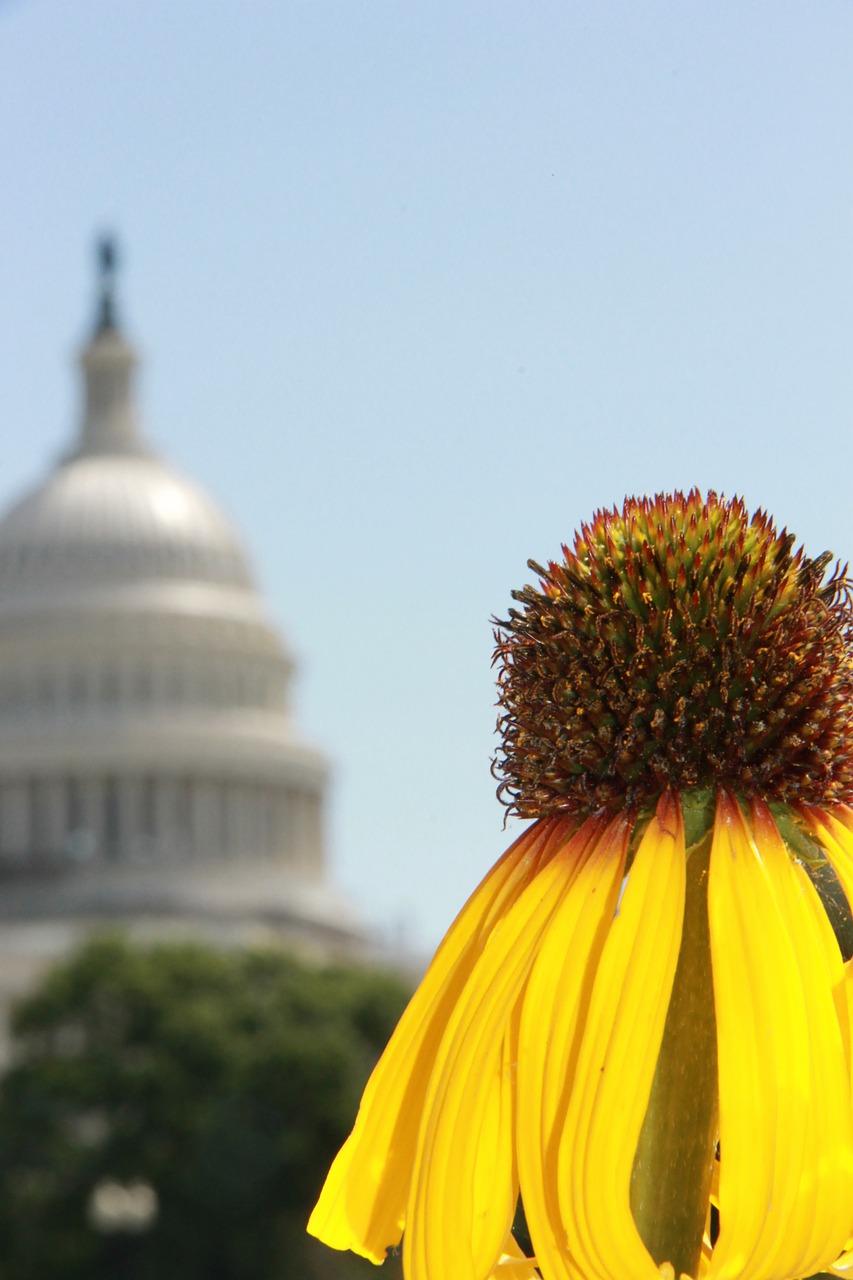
(225, 1081)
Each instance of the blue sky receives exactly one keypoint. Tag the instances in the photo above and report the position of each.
(419, 287)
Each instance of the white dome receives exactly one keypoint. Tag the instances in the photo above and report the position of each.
(144, 711)
(120, 518)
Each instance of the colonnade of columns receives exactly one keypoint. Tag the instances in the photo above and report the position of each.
(50, 820)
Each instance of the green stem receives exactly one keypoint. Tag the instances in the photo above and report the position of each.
(671, 1177)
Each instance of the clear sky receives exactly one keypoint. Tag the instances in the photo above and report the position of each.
(419, 286)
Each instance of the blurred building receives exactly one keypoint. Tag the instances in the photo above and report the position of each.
(150, 768)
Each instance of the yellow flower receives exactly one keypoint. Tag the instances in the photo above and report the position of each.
(639, 1026)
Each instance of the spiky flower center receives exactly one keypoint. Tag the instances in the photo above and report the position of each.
(680, 643)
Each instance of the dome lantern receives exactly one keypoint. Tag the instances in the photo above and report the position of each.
(108, 362)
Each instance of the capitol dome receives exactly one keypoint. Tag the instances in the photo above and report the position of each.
(150, 764)
(104, 518)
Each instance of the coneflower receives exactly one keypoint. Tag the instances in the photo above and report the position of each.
(639, 1026)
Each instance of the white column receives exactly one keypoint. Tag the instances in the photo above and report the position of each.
(208, 835)
(173, 818)
(286, 827)
(47, 816)
(14, 821)
(184, 817)
(56, 817)
(313, 835)
(111, 819)
(164, 821)
(132, 844)
(265, 821)
(240, 809)
(81, 840)
(254, 821)
(92, 804)
(235, 819)
(38, 820)
(302, 833)
(282, 841)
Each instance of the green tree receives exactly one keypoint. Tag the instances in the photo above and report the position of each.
(223, 1081)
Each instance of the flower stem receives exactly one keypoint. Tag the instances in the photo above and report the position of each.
(671, 1177)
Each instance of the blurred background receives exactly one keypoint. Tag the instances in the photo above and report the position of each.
(414, 290)
(417, 289)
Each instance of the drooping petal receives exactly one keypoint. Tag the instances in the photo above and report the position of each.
(555, 1006)
(842, 974)
(833, 830)
(362, 1204)
(616, 1061)
(829, 1141)
(785, 1129)
(828, 1159)
(464, 1189)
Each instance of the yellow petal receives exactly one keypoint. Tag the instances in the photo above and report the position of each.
(827, 1177)
(362, 1205)
(833, 830)
(555, 1007)
(616, 1061)
(705, 1260)
(515, 1269)
(513, 1265)
(841, 975)
(785, 1126)
(464, 1190)
(843, 1266)
(844, 814)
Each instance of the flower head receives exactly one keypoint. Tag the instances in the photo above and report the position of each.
(639, 1026)
(679, 644)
